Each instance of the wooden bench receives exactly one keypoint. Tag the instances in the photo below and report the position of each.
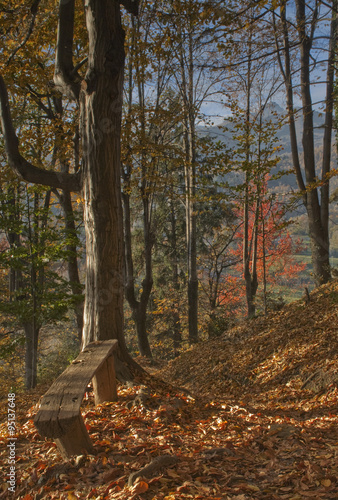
(59, 416)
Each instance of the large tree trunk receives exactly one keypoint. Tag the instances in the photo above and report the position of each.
(101, 107)
(100, 128)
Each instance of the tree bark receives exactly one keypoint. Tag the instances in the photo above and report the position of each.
(100, 129)
(101, 107)
(66, 78)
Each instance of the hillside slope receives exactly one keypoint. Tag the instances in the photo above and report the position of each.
(294, 349)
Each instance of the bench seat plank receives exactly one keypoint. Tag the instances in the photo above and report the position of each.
(60, 407)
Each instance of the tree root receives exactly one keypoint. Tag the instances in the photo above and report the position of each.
(129, 371)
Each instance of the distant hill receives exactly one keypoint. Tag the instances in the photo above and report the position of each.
(273, 110)
(284, 135)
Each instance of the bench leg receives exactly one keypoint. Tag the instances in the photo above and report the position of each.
(76, 441)
(104, 382)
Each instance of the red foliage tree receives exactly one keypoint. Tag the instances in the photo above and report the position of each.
(272, 251)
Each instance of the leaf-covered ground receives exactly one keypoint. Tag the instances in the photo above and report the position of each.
(259, 421)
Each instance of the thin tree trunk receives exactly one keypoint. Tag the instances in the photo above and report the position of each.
(72, 261)
(287, 77)
(177, 336)
(31, 353)
(140, 314)
(138, 307)
(31, 323)
(65, 199)
(250, 279)
(213, 296)
(254, 276)
(317, 210)
(264, 261)
(193, 281)
(15, 275)
(328, 125)
(190, 188)
(318, 238)
(140, 318)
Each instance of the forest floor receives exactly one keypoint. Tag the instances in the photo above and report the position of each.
(257, 420)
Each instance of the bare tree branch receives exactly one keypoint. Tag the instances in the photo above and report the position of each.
(23, 168)
(66, 78)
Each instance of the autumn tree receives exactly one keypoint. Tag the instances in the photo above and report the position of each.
(29, 221)
(147, 135)
(254, 148)
(217, 259)
(188, 37)
(37, 295)
(170, 313)
(92, 78)
(276, 265)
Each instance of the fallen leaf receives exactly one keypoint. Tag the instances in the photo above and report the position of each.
(326, 482)
(72, 496)
(139, 487)
(312, 494)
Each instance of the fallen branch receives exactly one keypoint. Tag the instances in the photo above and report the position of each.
(311, 377)
(155, 465)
